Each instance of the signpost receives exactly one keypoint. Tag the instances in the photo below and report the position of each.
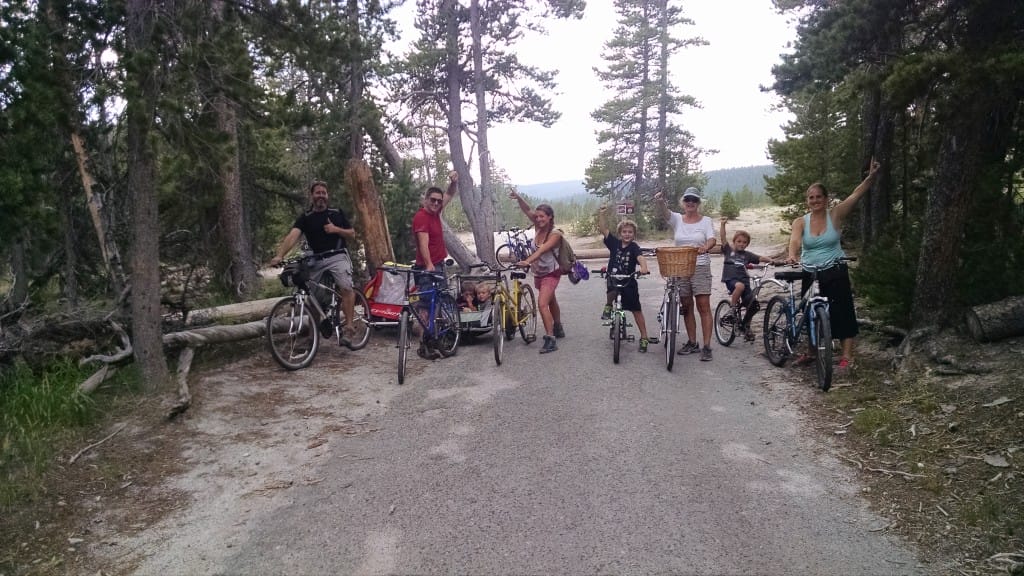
(624, 209)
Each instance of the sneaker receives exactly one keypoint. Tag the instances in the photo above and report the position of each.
(643, 344)
(844, 365)
(705, 354)
(606, 314)
(748, 334)
(427, 353)
(559, 331)
(549, 345)
(347, 335)
(689, 348)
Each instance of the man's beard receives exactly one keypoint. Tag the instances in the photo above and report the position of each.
(319, 204)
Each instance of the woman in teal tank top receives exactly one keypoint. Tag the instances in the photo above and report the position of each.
(816, 240)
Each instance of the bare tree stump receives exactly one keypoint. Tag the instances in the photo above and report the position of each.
(372, 219)
(997, 320)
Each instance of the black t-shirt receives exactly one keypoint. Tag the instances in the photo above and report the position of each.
(735, 265)
(311, 224)
(623, 259)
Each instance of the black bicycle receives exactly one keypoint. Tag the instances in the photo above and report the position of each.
(297, 322)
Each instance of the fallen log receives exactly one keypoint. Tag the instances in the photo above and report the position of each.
(997, 320)
(239, 312)
(215, 334)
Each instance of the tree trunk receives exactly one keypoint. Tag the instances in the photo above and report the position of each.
(997, 320)
(19, 270)
(70, 257)
(109, 251)
(479, 203)
(145, 254)
(355, 94)
(232, 217)
(974, 133)
(371, 217)
(453, 80)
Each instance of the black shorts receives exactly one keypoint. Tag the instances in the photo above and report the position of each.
(630, 294)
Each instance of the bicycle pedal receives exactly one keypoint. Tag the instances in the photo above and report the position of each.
(630, 338)
(606, 323)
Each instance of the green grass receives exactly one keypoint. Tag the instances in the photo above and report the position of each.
(879, 423)
(37, 409)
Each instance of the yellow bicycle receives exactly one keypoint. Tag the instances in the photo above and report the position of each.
(514, 308)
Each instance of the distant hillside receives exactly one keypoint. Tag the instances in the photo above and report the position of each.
(735, 179)
(719, 181)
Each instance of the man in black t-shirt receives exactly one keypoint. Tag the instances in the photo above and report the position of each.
(325, 229)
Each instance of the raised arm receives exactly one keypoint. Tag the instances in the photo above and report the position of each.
(453, 188)
(514, 194)
(843, 208)
(662, 206)
(602, 220)
(721, 230)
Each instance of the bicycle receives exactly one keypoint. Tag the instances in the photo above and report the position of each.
(619, 324)
(514, 308)
(441, 328)
(674, 264)
(729, 318)
(296, 322)
(515, 249)
(786, 318)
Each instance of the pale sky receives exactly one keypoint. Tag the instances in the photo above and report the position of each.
(745, 39)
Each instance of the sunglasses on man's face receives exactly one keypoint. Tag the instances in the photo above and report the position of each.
(691, 201)
(435, 200)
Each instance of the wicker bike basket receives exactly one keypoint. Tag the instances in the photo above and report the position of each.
(678, 261)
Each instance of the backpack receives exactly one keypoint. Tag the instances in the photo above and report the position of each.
(566, 257)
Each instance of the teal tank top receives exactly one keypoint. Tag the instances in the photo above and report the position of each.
(820, 250)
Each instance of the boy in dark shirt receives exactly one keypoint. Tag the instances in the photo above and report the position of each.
(625, 257)
(734, 270)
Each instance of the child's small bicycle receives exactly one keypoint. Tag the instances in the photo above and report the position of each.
(731, 319)
(619, 323)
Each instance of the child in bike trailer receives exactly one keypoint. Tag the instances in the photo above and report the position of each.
(625, 257)
(467, 300)
(734, 271)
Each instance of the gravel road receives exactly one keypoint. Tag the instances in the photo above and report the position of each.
(556, 463)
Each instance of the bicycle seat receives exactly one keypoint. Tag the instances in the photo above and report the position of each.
(790, 275)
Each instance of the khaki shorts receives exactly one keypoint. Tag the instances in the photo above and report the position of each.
(697, 285)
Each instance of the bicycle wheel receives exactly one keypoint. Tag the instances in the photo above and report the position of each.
(447, 326)
(527, 314)
(776, 331)
(670, 316)
(403, 343)
(498, 327)
(726, 323)
(505, 256)
(292, 334)
(617, 329)
(360, 322)
(823, 343)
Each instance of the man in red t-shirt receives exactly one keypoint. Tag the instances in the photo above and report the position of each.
(426, 226)
(430, 250)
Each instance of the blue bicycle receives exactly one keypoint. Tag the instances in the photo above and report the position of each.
(786, 319)
(516, 248)
(434, 308)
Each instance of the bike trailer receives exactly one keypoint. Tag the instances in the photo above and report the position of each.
(385, 293)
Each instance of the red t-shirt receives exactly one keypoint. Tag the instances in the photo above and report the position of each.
(424, 221)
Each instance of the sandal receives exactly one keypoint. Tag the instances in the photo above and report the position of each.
(804, 360)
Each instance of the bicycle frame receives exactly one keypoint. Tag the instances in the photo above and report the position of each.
(619, 323)
(668, 317)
